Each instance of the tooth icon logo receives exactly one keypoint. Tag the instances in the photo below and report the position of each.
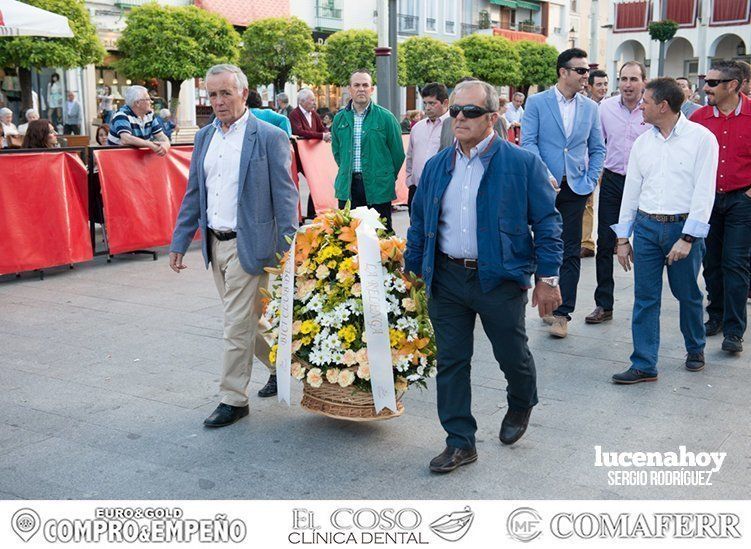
(454, 526)
(25, 523)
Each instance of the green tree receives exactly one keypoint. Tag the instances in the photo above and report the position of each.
(429, 60)
(316, 71)
(28, 52)
(276, 50)
(174, 44)
(537, 64)
(493, 59)
(347, 51)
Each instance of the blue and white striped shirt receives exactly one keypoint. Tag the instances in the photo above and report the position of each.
(126, 121)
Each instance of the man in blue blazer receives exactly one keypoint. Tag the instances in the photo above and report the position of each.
(483, 222)
(241, 196)
(562, 126)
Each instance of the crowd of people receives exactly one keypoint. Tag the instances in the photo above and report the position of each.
(491, 219)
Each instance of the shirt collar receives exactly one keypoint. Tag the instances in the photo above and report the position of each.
(306, 113)
(561, 98)
(237, 124)
(350, 106)
(716, 111)
(438, 120)
(477, 149)
(678, 129)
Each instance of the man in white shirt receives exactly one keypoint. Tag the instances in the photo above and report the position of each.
(425, 137)
(31, 115)
(667, 201)
(514, 114)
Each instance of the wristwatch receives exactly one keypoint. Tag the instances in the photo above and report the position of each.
(551, 281)
(688, 238)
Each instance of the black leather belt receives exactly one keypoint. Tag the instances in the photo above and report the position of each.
(229, 235)
(665, 218)
(741, 190)
(466, 263)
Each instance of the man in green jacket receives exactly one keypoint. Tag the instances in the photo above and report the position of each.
(367, 143)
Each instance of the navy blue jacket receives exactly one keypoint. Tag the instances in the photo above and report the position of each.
(518, 227)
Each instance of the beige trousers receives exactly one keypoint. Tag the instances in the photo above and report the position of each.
(588, 224)
(243, 325)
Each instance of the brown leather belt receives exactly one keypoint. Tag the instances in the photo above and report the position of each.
(665, 218)
(229, 235)
(466, 263)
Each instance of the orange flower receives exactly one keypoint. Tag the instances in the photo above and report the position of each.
(305, 242)
(392, 249)
(348, 235)
(413, 347)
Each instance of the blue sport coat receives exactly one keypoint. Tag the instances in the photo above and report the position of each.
(518, 227)
(266, 197)
(579, 157)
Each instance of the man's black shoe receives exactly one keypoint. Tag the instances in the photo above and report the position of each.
(713, 327)
(732, 344)
(695, 362)
(225, 414)
(513, 425)
(269, 389)
(451, 458)
(631, 376)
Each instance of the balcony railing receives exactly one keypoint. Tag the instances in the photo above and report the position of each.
(522, 27)
(468, 28)
(407, 24)
(631, 16)
(328, 15)
(728, 12)
(328, 12)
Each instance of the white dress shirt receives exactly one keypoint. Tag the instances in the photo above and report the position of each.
(513, 114)
(671, 176)
(222, 168)
(567, 107)
(308, 116)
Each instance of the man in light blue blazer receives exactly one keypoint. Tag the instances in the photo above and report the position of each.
(241, 196)
(563, 127)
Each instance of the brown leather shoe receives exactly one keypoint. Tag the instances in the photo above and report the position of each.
(598, 316)
(586, 252)
(452, 458)
(559, 328)
(514, 425)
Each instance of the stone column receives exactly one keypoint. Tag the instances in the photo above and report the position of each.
(186, 113)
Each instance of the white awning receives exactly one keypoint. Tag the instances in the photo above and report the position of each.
(19, 19)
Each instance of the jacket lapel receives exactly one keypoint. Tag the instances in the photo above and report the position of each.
(577, 116)
(251, 130)
(204, 146)
(552, 102)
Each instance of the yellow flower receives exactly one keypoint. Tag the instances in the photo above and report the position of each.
(306, 340)
(348, 333)
(331, 264)
(332, 375)
(315, 377)
(346, 378)
(396, 337)
(309, 327)
(272, 354)
(363, 371)
(297, 371)
(400, 384)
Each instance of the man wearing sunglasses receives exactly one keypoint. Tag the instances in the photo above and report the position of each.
(726, 268)
(562, 126)
(470, 240)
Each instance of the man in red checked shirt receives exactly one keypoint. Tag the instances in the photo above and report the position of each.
(726, 266)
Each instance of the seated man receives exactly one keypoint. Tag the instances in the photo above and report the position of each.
(134, 124)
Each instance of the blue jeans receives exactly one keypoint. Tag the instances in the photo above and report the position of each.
(652, 243)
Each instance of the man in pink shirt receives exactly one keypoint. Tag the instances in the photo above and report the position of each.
(425, 137)
(622, 122)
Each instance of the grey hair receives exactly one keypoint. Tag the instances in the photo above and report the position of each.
(282, 97)
(164, 113)
(519, 94)
(30, 112)
(305, 93)
(133, 94)
(240, 78)
(5, 111)
(491, 95)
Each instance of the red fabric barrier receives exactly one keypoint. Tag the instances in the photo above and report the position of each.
(142, 193)
(320, 170)
(43, 211)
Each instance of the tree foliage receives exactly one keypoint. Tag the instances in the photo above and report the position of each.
(276, 50)
(316, 71)
(662, 31)
(538, 63)
(429, 60)
(347, 51)
(174, 44)
(493, 59)
(36, 52)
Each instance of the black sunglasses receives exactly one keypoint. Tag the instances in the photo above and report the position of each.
(713, 83)
(470, 111)
(578, 70)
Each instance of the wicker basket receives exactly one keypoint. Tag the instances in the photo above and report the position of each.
(348, 403)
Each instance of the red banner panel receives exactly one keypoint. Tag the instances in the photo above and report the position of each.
(730, 11)
(43, 211)
(142, 193)
(631, 15)
(320, 171)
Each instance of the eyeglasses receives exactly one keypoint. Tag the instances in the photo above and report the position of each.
(578, 70)
(470, 111)
(714, 82)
